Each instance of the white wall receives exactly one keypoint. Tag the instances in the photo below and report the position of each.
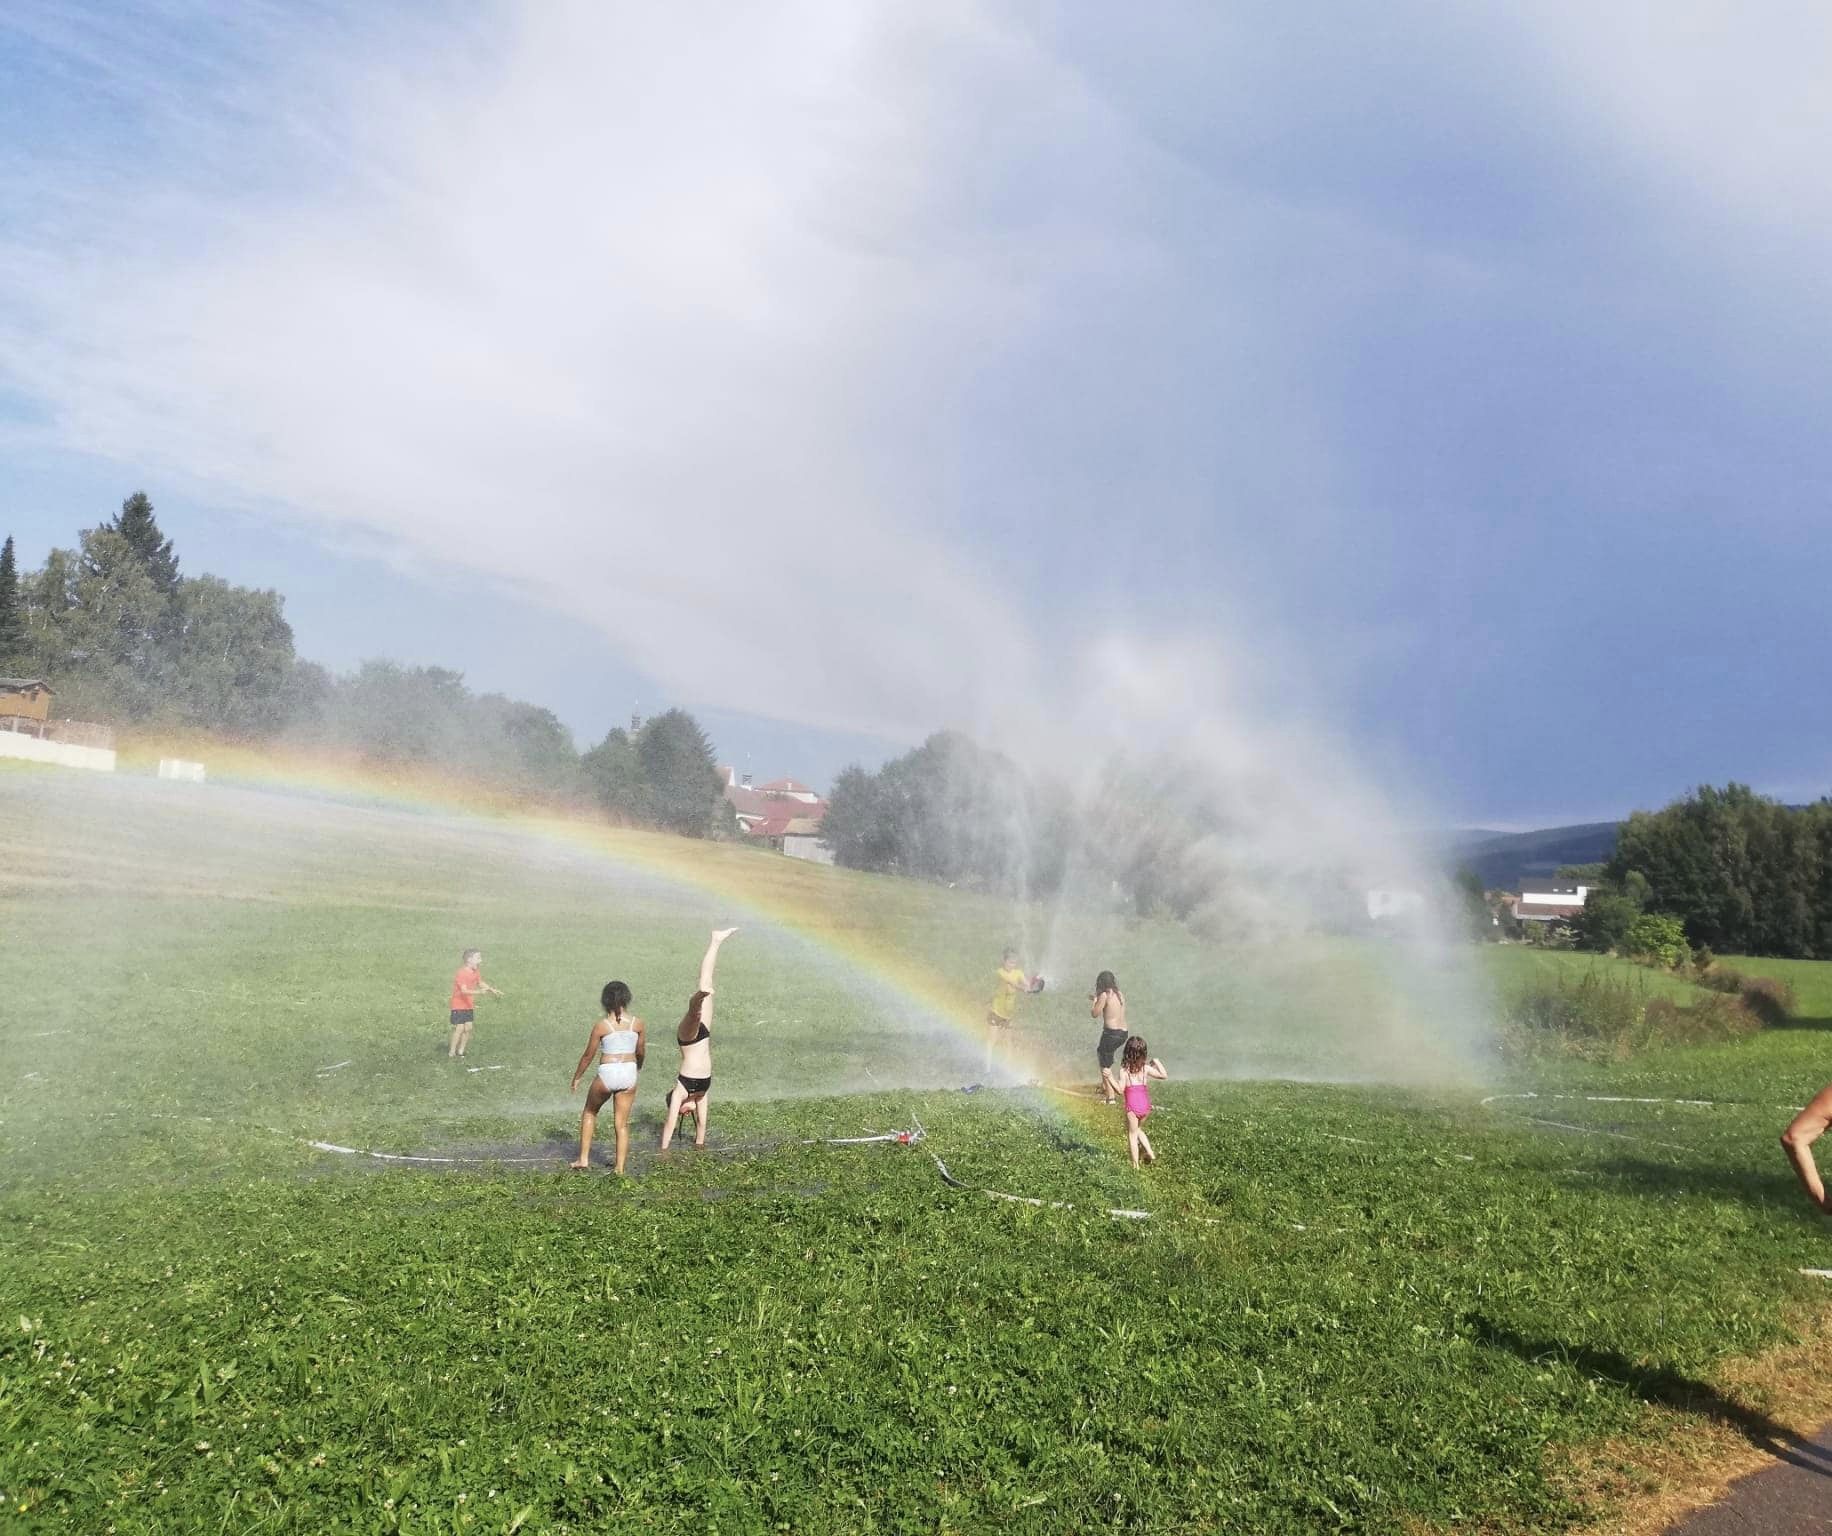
(1554, 898)
(12, 744)
(810, 848)
(179, 768)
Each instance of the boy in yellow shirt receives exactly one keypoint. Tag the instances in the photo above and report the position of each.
(1012, 981)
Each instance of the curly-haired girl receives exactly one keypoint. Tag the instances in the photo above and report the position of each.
(1136, 1073)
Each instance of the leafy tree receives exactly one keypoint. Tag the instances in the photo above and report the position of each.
(1743, 872)
(94, 622)
(614, 777)
(529, 745)
(856, 827)
(12, 610)
(951, 810)
(232, 656)
(1657, 936)
(136, 524)
(1473, 910)
(1605, 921)
(679, 774)
(401, 715)
(304, 699)
(395, 714)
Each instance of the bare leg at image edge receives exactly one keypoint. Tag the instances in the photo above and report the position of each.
(1797, 1141)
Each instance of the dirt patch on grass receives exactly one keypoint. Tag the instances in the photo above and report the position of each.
(1697, 1438)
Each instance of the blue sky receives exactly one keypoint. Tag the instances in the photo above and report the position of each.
(1452, 385)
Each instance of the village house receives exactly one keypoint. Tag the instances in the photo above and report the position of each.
(1550, 901)
(27, 730)
(783, 813)
(25, 704)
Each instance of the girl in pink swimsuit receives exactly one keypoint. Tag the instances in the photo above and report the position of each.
(1136, 1073)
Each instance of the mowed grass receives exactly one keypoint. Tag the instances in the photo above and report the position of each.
(1351, 1307)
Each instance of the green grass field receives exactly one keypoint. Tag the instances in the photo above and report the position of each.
(1352, 1307)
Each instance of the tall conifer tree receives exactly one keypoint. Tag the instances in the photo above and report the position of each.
(12, 609)
(140, 528)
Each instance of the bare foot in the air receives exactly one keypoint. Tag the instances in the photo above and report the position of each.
(723, 933)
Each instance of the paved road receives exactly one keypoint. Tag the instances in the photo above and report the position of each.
(1791, 1498)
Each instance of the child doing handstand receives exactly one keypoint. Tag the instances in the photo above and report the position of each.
(688, 1092)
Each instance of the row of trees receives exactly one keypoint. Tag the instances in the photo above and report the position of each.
(127, 639)
(955, 812)
(123, 637)
(1742, 874)
(1154, 835)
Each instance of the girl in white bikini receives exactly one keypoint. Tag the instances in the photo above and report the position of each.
(688, 1092)
(618, 1043)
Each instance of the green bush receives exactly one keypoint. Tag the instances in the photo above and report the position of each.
(1713, 1017)
(1659, 937)
(1769, 1000)
(1604, 923)
(1603, 1016)
(1722, 978)
(1595, 1015)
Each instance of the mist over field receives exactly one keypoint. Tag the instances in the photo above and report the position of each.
(591, 304)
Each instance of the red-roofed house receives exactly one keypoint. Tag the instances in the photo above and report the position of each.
(783, 813)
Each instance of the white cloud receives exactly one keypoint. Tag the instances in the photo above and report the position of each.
(625, 308)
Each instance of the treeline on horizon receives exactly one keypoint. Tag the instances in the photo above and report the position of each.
(126, 640)
(1741, 872)
(1153, 836)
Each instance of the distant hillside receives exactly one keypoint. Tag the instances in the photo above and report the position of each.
(1502, 859)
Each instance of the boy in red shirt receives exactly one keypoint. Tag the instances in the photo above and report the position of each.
(465, 987)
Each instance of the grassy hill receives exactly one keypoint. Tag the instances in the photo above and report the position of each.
(1389, 1302)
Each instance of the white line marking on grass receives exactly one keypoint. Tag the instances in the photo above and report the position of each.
(1591, 1130)
(336, 1066)
(409, 1157)
(1818, 1274)
(1332, 1136)
(1606, 1098)
(486, 1069)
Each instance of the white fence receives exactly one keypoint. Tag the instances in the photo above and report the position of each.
(66, 754)
(177, 768)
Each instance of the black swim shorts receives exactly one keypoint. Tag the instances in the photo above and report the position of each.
(462, 1015)
(1110, 1042)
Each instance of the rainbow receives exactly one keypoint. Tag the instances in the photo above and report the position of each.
(803, 899)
